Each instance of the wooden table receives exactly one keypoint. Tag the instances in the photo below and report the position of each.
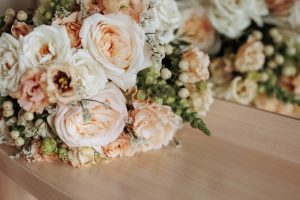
(251, 155)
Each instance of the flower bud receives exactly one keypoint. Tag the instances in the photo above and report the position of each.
(257, 35)
(289, 70)
(291, 51)
(269, 50)
(168, 49)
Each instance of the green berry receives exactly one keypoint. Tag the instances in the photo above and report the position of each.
(201, 86)
(141, 95)
(48, 15)
(62, 154)
(49, 146)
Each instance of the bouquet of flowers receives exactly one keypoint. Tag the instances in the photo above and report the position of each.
(255, 48)
(84, 80)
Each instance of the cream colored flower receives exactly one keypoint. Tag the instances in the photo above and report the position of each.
(273, 105)
(10, 71)
(117, 43)
(20, 29)
(168, 16)
(61, 84)
(231, 17)
(197, 29)
(89, 77)
(221, 69)
(198, 65)
(242, 91)
(73, 28)
(44, 45)
(250, 57)
(81, 156)
(155, 124)
(120, 147)
(108, 114)
(201, 101)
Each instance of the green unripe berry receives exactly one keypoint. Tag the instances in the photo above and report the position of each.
(48, 15)
(159, 100)
(201, 86)
(150, 80)
(141, 95)
(62, 154)
(170, 100)
(49, 146)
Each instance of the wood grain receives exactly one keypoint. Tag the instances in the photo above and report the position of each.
(233, 164)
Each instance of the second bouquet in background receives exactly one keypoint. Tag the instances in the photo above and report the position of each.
(85, 80)
(254, 46)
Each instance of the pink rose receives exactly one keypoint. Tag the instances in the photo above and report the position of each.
(32, 95)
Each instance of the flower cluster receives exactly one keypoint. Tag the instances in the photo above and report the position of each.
(254, 46)
(84, 80)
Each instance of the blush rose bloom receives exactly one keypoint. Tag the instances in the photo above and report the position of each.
(32, 95)
(45, 45)
(10, 71)
(120, 147)
(198, 65)
(154, 123)
(105, 125)
(250, 56)
(20, 29)
(117, 43)
(73, 28)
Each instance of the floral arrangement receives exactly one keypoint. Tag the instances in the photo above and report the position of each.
(84, 80)
(255, 48)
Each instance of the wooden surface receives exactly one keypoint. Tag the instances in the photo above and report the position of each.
(242, 160)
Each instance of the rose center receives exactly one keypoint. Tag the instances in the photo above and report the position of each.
(62, 81)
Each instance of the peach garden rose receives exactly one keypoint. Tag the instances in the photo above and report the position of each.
(117, 42)
(73, 28)
(103, 127)
(20, 29)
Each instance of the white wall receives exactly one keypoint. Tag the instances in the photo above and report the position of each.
(16, 4)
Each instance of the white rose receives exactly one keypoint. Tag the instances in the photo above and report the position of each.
(89, 75)
(231, 17)
(169, 19)
(117, 42)
(10, 71)
(104, 126)
(45, 45)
